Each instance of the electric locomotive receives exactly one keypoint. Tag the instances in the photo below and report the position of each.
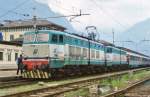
(51, 53)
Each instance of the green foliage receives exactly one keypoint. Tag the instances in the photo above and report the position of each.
(84, 92)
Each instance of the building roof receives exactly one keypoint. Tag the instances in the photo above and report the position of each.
(30, 23)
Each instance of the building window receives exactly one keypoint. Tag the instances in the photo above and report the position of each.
(1, 56)
(9, 56)
(11, 37)
(20, 36)
(16, 56)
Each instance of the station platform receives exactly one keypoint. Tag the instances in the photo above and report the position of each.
(8, 71)
(8, 66)
(8, 76)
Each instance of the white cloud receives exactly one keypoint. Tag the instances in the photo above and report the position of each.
(117, 14)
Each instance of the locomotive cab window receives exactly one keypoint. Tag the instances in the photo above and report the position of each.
(54, 38)
(61, 39)
(109, 50)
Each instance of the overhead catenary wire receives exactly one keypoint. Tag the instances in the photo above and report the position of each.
(107, 14)
(12, 10)
(65, 9)
(71, 15)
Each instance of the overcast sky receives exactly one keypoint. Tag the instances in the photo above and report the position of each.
(105, 14)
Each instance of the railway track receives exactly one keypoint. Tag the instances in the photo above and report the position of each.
(123, 91)
(14, 83)
(70, 86)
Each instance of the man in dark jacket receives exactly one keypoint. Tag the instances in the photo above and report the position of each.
(20, 65)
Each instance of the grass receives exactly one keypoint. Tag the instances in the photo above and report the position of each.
(84, 92)
(119, 82)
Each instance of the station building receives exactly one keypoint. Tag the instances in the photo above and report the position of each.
(9, 52)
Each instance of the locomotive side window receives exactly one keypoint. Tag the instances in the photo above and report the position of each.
(97, 54)
(54, 38)
(60, 38)
(109, 50)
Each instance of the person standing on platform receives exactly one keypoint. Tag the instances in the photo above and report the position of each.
(20, 65)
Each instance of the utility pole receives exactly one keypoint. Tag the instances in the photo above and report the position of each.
(113, 36)
(34, 18)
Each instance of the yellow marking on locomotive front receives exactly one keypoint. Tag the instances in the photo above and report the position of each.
(34, 75)
(31, 73)
(38, 73)
(43, 74)
(25, 75)
(46, 74)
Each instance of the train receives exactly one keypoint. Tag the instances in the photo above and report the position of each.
(51, 53)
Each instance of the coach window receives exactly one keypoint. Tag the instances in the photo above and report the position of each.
(60, 38)
(1, 56)
(54, 38)
(97, 54)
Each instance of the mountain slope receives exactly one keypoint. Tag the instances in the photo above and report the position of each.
(137, 33)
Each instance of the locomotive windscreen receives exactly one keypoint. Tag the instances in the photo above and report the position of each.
(36, 37)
